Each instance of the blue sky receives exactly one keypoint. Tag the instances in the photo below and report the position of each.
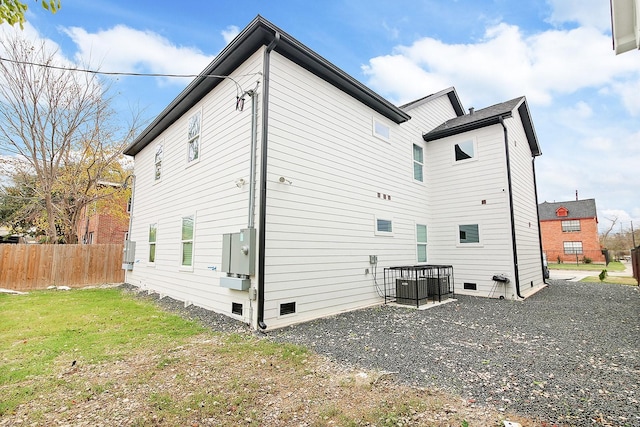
(584, 99)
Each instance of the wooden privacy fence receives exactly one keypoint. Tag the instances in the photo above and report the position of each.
(30, 267)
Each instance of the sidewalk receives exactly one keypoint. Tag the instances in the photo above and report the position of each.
(577, 275)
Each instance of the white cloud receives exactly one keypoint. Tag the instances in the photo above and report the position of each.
(125, 49)
(588, 13)
(230, 33)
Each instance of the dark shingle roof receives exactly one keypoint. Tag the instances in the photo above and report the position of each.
(577, 209)
(486, 117)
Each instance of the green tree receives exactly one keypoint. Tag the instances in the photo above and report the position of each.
(12, 11)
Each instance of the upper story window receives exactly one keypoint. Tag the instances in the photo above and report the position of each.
(158, 162)
(571, 225)
(562, 211)
(465, 150)
(418, 163)
(381, 130)
(193, 139)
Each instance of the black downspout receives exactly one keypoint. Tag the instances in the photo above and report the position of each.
(535, 189)
(513, 220)
(262, 232)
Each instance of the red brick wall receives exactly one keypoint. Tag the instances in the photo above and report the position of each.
(553, 239)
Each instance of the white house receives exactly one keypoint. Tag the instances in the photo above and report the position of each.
(277, 189)
(625, 23)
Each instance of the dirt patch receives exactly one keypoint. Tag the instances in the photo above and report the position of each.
(222, 381)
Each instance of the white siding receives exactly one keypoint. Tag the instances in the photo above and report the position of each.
(320, 227)
(456, 194)
(525, 208)
(205, 189)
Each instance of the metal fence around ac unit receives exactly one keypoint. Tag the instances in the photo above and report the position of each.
(418, 284)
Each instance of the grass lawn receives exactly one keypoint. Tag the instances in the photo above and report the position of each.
(612, 279)
(106, 357)
(612, 266)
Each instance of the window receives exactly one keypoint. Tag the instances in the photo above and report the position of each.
(469, 233)
(153, 230)
(571, 225)
(187, 242)
(384, 226)
(158, 162)
(194, 137)
(381, 130)
(421, 240)
(465, 151)
(418, 163)
(572, 248)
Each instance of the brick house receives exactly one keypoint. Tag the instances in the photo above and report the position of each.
(570, 231)
(104, 222)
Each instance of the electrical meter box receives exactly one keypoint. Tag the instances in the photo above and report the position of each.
(239, 252)
(129, 255)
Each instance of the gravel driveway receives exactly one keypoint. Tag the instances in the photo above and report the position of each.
(569, 354)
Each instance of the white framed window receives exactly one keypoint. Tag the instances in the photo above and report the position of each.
(383, 226)
(421, 242)
(572, 248)
(193, 137)
(468, 234)
(465, 151)
(418, 163)
(158, 162)
(153, 233)
(381, 130)
(186, 241)
(571, 225)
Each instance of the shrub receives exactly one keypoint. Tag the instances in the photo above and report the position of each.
(587, 260)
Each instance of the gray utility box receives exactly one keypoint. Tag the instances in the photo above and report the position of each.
(238, 259)
(129, 255)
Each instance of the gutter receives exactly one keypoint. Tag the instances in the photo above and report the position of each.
(513, 221)
(262, 232)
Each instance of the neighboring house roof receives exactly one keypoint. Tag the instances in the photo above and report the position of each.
(486, 117)
(576, 209)
(258, 33)
(450, 92)
(625, 25)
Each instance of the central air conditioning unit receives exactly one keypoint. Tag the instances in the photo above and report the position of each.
(411, 291)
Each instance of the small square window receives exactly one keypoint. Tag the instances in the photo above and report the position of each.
(381, 130)
(384, 227)
(469, 233)
(465, 151)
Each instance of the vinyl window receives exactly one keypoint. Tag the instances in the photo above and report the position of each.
(384, 226)
(469, 233)
(571, 225)
(193, 138)
(186, 241)
(158, 162)
(153, 231)
(421, 242)
(465, 151)
(418, 163)
(572, 248)
(381, 130)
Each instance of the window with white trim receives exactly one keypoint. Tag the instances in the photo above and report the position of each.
(571, 225)
(384, 226)
(158, 162)
(421, 242)
(465, 150)
(186, 241)
(153, 232)
(381, 130)
(418, 163)
(572, 248)
(193, 137)
(468, 233)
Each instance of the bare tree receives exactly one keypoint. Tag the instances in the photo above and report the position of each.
(61, 124)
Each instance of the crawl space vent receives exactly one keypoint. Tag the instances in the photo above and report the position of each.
(470, 286)
(287, 308)
(236, 308)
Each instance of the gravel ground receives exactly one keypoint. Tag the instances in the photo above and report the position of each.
(569, 354)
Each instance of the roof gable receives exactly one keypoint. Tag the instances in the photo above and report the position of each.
(257, 34)
(574, 210)
(486, 117)
(450, 92)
